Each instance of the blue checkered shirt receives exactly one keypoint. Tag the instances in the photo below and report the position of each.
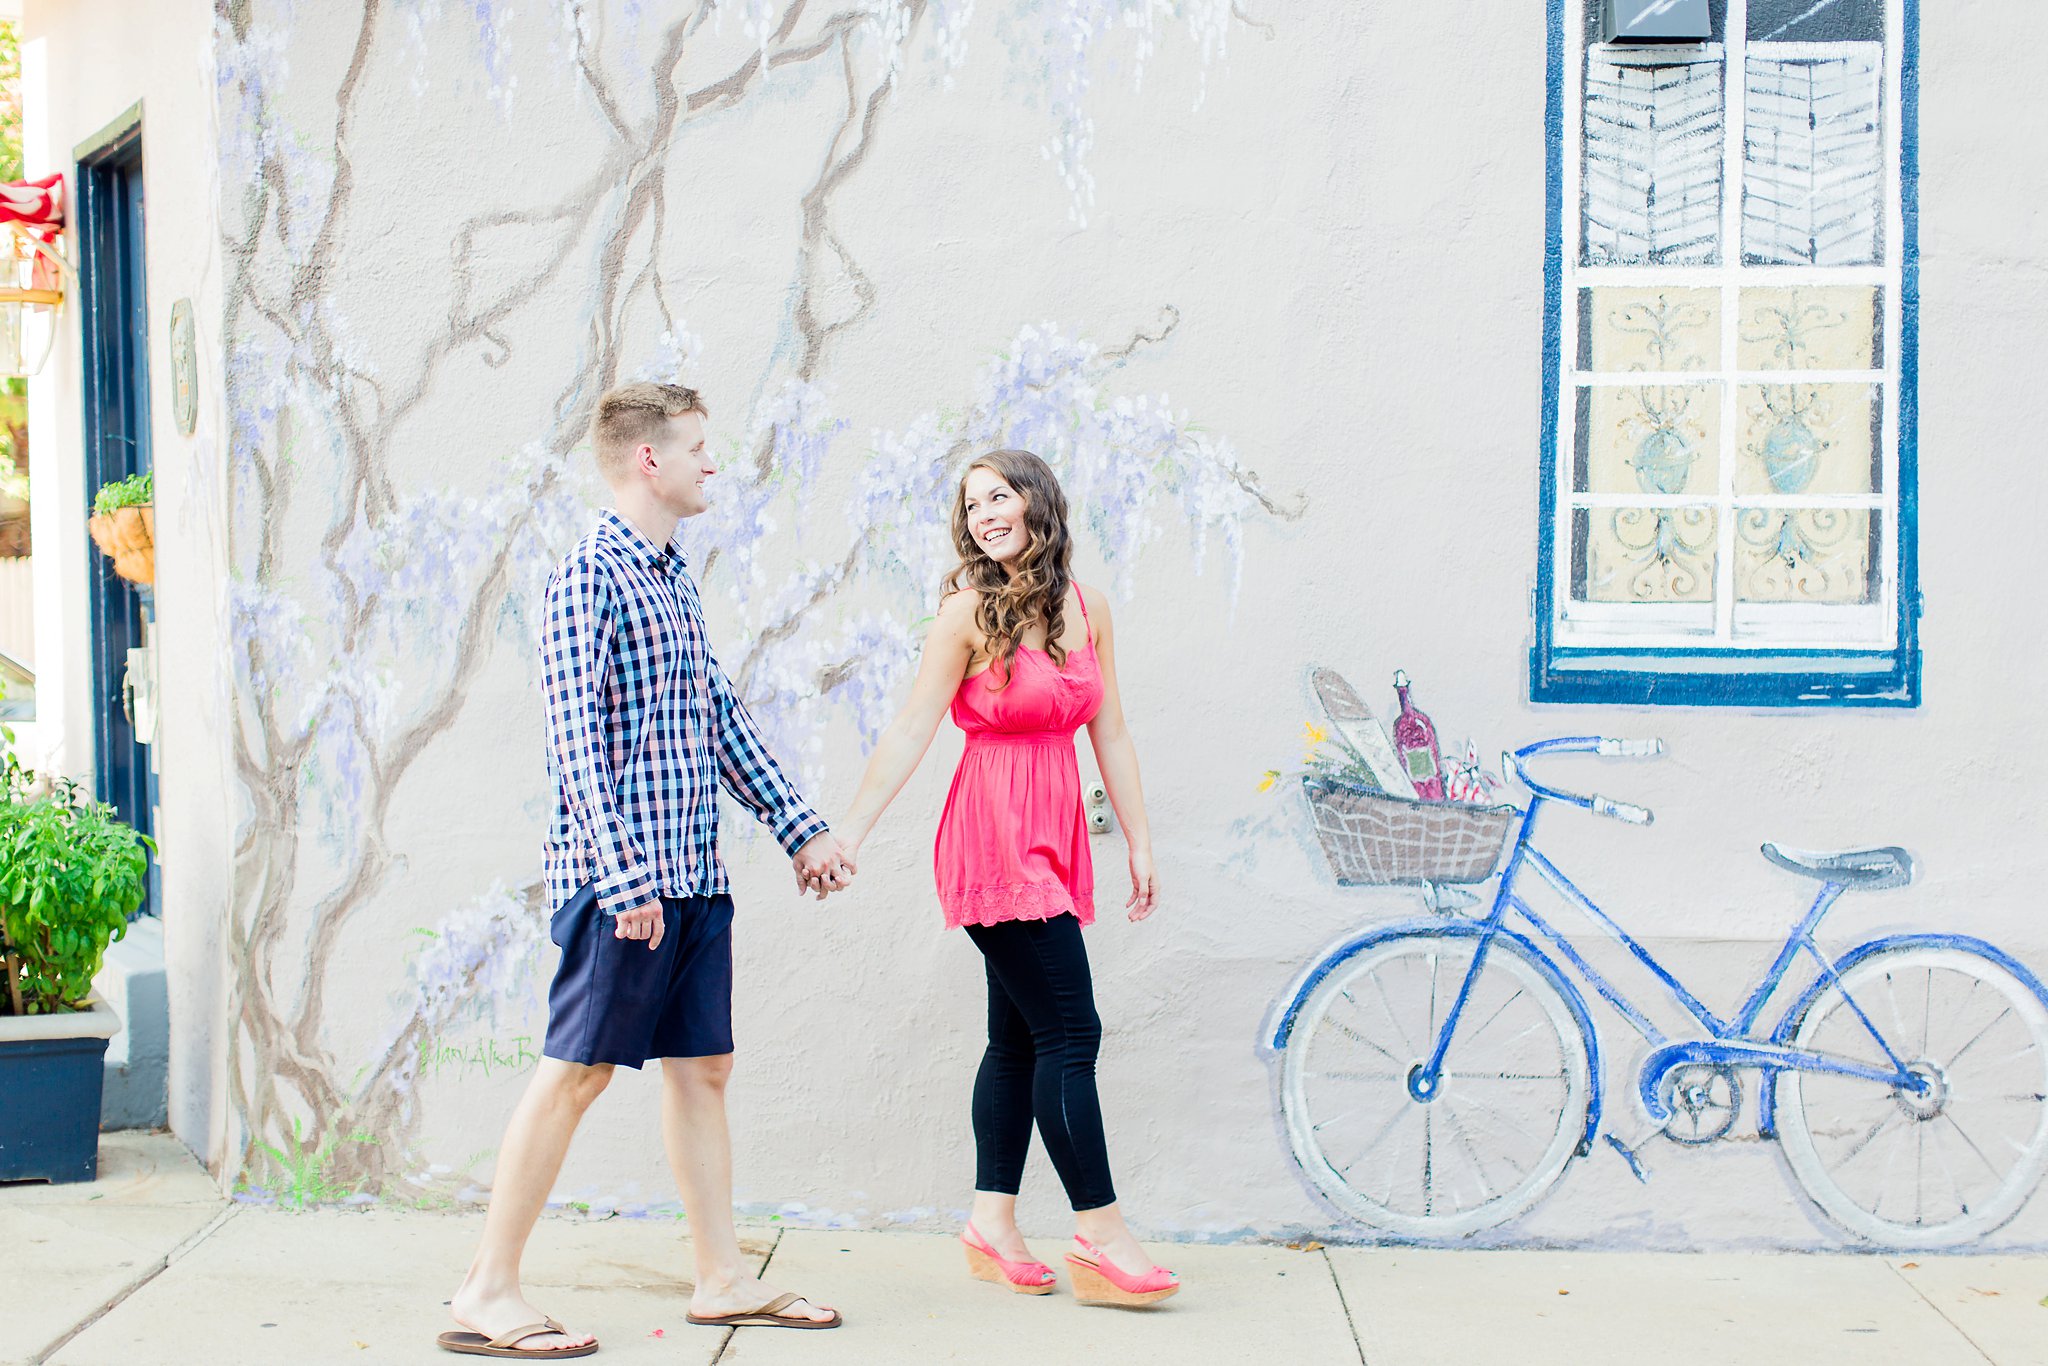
(642, 728)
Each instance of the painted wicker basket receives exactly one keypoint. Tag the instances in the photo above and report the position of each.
(1374, 840)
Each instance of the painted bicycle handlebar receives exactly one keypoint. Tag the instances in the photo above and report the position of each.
(1622, 811)
(1603, 745)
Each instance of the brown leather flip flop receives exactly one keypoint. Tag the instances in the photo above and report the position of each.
(768, 1315)
(505, 1344)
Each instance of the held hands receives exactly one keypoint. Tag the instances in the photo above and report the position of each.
(823, 866)
(1144, 885)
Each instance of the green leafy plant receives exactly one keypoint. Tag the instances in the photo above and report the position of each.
(71, 873)
(137, 490)
(308, 1169)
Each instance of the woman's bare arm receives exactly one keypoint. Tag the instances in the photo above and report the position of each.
(1117, 759)
(948, 650)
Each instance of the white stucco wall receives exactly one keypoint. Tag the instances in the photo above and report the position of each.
(1350, 229)
(83, 65)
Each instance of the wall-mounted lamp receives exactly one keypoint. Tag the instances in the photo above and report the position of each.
(1626, 21)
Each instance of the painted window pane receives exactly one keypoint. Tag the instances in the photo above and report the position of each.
(1813, 157)
(1649, 329)
(1814, 555)
(1650, 438)
(1645, 555)
(1811, 327)
(1808, 438)
(1815, 21)
(1652, 177)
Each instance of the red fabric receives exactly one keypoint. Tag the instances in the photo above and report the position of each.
(1013, 841)
(36, 204)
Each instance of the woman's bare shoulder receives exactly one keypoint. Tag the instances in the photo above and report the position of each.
(1095, 600)
(959, 603)
(956, 615)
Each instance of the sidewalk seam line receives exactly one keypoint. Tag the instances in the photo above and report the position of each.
(1345, 1305)
(120, 1296)
(1940, 1312)
(773, 1248)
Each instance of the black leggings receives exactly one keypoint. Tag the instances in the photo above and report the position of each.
(1043, 1035)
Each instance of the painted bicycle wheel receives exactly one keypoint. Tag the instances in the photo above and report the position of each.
(1955, 1159)
(1500, 1127)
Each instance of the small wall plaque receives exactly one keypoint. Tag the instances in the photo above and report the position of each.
(184, 368)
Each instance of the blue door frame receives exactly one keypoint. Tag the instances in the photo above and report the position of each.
(114, 323)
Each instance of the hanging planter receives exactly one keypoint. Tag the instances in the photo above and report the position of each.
(123, 526)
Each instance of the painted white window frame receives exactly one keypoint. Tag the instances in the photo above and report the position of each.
(1724, 626)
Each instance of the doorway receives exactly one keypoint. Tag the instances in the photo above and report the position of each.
(114, 323)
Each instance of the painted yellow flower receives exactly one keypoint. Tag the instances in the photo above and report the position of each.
(1270, 780)
(1312, 735)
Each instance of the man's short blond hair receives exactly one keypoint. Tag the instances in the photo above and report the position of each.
(633, 414)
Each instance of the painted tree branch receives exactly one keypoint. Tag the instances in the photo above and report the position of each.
(310, 730)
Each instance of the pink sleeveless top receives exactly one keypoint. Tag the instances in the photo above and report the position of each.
(1013, 841)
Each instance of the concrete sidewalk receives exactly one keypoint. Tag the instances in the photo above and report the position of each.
(148, 1265)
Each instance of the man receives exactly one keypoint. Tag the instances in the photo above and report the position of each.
(642, 728)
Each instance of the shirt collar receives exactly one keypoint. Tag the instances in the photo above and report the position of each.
(630, 538)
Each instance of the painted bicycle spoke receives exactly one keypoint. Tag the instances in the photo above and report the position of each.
(1501, 1010)
(1957, 1056)
(1971, 1144)
(1892, 1115)
(1920, 1159)
(1377, 1138)
(1496, 1123)
(1471, 1152)
(1393, 1019)
(1962, 1200)
(1428, 1156)
(1958, 1014)
(1348, 1032)
(1324, 1124)
(1926, 1012)
(1357, 1076)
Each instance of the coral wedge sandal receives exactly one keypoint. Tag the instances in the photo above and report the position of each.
(987, 1264)
(1098, 1280)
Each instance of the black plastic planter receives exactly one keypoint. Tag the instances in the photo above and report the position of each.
(51, 1074)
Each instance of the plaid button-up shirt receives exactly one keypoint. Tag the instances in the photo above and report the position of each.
(642, 727)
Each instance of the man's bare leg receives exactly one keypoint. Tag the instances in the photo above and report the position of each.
(693, 1127)
(536, 1140)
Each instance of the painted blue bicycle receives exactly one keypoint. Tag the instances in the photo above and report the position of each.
(1439, 1075)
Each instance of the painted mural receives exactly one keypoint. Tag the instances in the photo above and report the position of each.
(381, 591)
(1438, 1075)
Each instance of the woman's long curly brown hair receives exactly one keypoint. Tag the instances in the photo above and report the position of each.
(1036, 594)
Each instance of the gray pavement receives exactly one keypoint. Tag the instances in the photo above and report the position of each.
(149, 1265)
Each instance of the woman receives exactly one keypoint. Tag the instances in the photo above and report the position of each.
(1021, 673)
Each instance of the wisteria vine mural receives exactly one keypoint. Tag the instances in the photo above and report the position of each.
(359, 644)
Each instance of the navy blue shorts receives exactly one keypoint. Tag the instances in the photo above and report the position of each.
(616, 1001)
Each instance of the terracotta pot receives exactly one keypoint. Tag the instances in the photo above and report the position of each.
(129, 536)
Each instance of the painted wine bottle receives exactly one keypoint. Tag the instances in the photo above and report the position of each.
(1415, 740)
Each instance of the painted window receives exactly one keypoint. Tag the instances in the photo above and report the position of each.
(1728, 462)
